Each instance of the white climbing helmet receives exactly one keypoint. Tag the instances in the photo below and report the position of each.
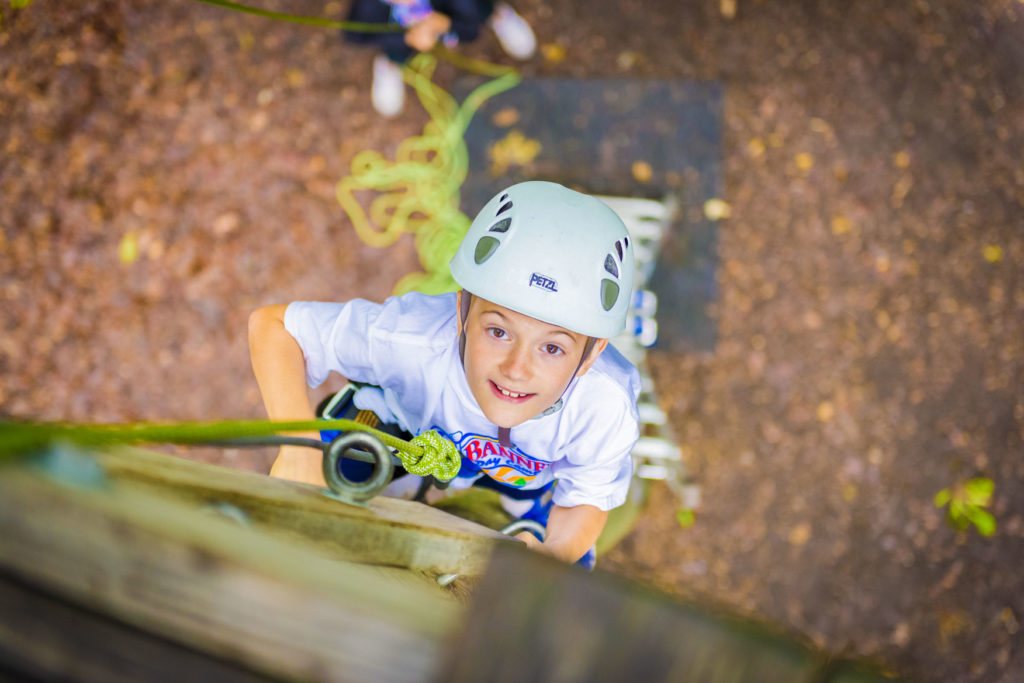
(553, 254)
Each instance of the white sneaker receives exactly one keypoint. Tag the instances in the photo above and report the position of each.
(388, 91)
(514, 33)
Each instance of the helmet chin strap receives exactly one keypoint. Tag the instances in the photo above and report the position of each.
(505, 433)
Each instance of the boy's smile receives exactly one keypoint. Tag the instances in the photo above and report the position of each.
(518, 366)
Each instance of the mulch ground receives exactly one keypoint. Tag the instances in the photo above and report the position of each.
(870, 307)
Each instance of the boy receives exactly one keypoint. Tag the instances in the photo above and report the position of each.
(515, 368)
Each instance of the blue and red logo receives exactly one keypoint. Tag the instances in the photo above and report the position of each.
(510, 466)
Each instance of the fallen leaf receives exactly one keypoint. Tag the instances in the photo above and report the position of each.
(800, 534)
(226, 223)
(756, 147)
(642, 171)
(128, 250)
(296, 78)
(515, 149)
(840, 225)
(716, 209)
(553, 52)
(627, 59)
(993, 253)
(820, 126)
(804, 161)
(509, 116)
(826, 411)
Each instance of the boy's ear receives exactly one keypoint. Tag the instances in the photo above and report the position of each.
(599, 346)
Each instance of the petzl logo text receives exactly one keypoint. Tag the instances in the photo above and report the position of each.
(538, 280)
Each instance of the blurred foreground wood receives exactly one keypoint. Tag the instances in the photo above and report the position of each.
(386, 532)
(117, 567)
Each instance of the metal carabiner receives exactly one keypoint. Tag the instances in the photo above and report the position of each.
(343, 488)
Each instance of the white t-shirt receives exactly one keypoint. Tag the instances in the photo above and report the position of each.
(409, 347)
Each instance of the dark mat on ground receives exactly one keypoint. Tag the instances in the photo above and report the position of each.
(630, 138)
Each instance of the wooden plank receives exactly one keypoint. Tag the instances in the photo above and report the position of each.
(387, 531)
(535, 619)
(235, 593)
(45, 638)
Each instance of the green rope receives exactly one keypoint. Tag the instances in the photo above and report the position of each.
(427, 454)
(440, 457)
(356, 26)
(418, 192)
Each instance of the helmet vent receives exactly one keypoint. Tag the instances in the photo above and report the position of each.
(504, 208)
(503, 197)
(618, 248)
(609, 265)
(501, 226)
(625, 241)
(485, 248)
(609, 294)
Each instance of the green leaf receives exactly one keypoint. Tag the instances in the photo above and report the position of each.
(979, 491)
(957, 521)
(984, 521)
(685, 517)
(19, 4)
(942, 497)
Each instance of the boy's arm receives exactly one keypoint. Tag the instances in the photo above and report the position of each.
(570, 533)
(280, 370)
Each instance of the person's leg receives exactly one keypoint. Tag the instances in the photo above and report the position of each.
(387, 93)
(513, 32)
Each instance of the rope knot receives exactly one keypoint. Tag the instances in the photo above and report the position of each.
(440, 457)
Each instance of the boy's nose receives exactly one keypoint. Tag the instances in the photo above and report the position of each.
(516, 364)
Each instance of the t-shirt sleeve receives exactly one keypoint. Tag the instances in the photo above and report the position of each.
(598, 464)
(398, 345)
(333, 336)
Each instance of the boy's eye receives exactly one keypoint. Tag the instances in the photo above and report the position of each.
(553, 349)
(496, 332)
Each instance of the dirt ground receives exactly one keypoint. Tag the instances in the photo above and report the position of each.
(871, 299)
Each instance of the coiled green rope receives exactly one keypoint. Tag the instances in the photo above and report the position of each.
(418, 192)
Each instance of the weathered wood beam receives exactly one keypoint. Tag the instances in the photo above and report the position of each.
(386, 531)
(45, 638)
(559, 623)
(232, 592)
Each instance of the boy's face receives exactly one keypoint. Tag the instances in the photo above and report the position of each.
(518, 366)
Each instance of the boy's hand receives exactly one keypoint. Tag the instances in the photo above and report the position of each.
(424, 34)
(299, 463)
(530, 540)
(571, 531)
